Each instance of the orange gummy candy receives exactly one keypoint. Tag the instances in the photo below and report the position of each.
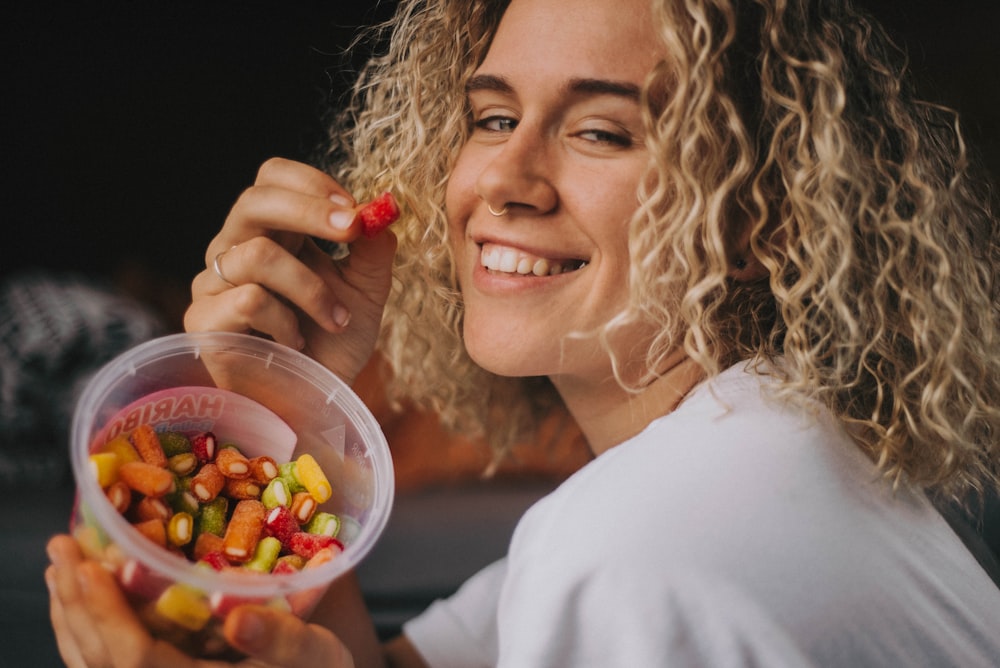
(147, 479)
(232, 463)
(120, 496)
(303, 506)
(153, 508)
(263, 469)
(242, 489)
(147, 444)
(207, 482)
(244, 530)
(154, 530)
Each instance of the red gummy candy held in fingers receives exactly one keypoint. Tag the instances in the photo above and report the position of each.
(378, 214)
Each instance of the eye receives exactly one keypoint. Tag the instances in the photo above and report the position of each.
(606, 137)
(495, 124)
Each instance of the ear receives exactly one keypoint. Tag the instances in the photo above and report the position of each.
(746, 268)
(749, 234)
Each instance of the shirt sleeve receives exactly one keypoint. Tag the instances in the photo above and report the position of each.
(689, 620)
(461, 631)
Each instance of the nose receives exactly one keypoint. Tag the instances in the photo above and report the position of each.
(520, 174)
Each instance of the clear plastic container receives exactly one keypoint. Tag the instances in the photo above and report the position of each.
(263, 397)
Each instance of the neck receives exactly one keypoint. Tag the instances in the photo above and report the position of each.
(607, 414)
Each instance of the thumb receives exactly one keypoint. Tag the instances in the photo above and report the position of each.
(279, 638)
(368, 268)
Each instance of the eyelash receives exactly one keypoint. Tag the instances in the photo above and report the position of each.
(485, 122)
(605, 137)
(599, 136)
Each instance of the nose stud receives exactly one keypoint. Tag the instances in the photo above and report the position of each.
(501, 212)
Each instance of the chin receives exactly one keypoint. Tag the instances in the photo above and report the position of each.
(500, 366)
(501, 356)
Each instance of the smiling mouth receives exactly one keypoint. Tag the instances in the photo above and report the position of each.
(506, 260)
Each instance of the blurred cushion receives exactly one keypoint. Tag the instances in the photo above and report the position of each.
(56, 331)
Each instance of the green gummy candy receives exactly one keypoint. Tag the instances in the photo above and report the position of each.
(265, 554)
(181, 499)
(213, 516)
(324, 524)
(276, 494)
(287, 473)
(174, 443)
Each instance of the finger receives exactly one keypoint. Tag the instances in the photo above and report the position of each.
(282, 639)
(106, 607)
(368, 268)
(72, 621)
(302, 200)
(247, 308)
(68, 648)
(264, 262)
(261, 209)
(294, 175)
(118, 627)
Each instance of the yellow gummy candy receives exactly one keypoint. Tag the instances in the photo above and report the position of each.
(105, 468)
(121, 446)
(184, 606)
(180, 528)
(311, 476)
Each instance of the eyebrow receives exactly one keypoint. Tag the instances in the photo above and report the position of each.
(491, 82)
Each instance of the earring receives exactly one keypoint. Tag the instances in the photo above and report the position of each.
(501, 212)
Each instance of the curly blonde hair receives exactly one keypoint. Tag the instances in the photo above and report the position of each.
(783, 134)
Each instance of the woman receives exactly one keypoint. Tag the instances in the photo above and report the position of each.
(754, 269)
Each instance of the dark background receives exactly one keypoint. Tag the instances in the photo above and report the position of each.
(129, 127)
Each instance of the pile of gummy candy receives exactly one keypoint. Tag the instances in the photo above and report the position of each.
(208, 502)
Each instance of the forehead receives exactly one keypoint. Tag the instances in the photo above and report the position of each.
(612, 38)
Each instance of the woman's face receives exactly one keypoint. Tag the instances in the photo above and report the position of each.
(557, 141)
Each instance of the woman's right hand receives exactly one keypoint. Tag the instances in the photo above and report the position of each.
(278, 282)
(95, 625)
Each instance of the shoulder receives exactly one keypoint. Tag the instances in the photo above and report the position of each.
(711, 536)
(732, 485)
(728, 453)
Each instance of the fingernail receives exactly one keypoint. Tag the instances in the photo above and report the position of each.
(341, 220)
(55, 556)
(341, 315)
(341, 200)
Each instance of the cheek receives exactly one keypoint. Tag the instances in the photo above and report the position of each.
(460, 195)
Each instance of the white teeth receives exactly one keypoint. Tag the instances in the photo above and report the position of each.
(508, 260)
(511, 261)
